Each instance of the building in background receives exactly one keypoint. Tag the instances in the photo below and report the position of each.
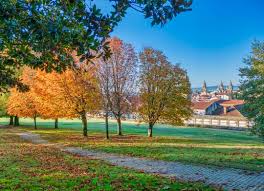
(205, 107)
(230, 108)
(218, 108)
(217, 102)
(221, 93)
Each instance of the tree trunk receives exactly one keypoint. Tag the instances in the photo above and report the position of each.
(11, 120)
(16, 121)
(35, 122)
(84, 123)
(56, 123)
(119, 126)
(106, 125)
(150, 130)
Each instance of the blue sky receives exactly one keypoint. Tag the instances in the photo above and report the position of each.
(210, 41)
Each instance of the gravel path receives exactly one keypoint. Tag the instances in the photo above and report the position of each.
(229, 179)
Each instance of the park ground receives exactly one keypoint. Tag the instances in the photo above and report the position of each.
(55, 169)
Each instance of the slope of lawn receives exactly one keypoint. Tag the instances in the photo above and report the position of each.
(26, 166)
(223, 148)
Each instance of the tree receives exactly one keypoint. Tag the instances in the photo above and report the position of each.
(80, 90)
(252, 82)
(50, 101)
(44, 33)
(72, 93)
(164, 90)
(3, 107)
(120, 72)
(103, 75)
(23, 104)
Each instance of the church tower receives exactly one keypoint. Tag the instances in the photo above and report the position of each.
(221, 87)
(204, 88)
(230, 87)
(230, 90)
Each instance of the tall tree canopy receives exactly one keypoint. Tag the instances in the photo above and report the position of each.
(118, 77)
(81, 92)
(103, 76)
(72, 93)
(164, 90)
(49, 97)
(23, 104)
(44, 33)
(252, 86)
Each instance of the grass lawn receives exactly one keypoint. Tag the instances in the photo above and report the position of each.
(224, 148)
(25, 166)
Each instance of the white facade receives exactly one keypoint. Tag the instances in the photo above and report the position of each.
(199, 111)
(221, 121)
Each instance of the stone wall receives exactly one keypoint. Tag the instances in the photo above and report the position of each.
(219, 121)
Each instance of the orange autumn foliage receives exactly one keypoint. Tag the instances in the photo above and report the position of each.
(49, 96)
(73, 93)
(23, 104)
(81, 90)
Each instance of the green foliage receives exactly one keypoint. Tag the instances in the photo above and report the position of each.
(159, 11)
(9, 75)
(164, 89)
(3, 104)
(252, 84)
(43, 34)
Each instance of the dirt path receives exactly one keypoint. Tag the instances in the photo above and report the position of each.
(229, 179)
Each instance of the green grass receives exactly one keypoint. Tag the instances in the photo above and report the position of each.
(26, 166)
(223, 148)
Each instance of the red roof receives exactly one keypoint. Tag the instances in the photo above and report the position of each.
(202, 105)
(232, 111)
(231, 102)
